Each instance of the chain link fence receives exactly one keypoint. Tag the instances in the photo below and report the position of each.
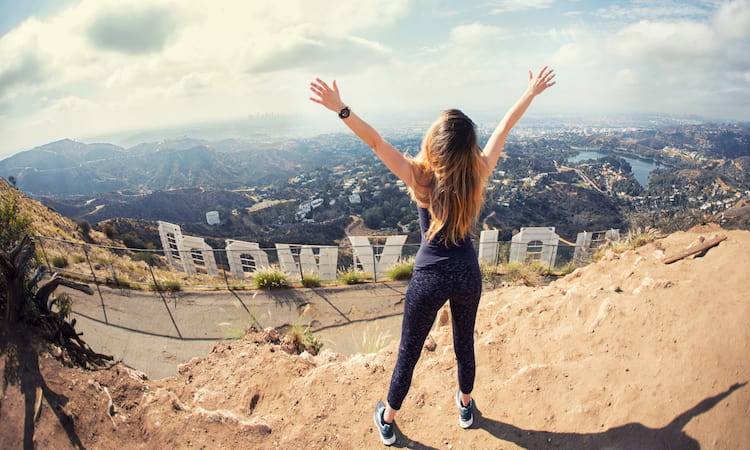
(231, 268)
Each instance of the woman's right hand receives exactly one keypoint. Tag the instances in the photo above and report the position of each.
(330, 98)
(537, 84)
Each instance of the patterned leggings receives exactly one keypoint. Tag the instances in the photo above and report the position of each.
(430, 287)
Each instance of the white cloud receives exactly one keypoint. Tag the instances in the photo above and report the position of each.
(506, 6)
(69, 104)
(732, 21)
(154, 61)
(99, 42)
(477, 34)
(627, 79)
(567, 34)
(673, 64)
(663, 42)
(133, 31)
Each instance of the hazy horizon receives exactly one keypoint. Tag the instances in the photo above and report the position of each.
(83, 69)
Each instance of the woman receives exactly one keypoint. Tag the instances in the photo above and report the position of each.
(446, 180)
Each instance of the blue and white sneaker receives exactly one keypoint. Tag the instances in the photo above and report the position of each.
(387, 435)
(465, 415)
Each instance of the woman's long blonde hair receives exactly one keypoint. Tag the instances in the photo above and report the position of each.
(451, 159)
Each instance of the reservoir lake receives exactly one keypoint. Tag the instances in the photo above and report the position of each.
(642, 168)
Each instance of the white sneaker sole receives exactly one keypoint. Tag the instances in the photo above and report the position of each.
(461, 422)
(390, 441)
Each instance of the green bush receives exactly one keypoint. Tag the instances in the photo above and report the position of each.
(167, 286)
(634, 239)
(109, 230)
(402, 270)
(59, 261)
(271, 279)
(84, 226)
(640, 239)
(304, 340)
(149, 258)
(118, 281)
(488, 271)
(353, 276)
(540, 268)
(567, 268)
(310, 280)
(13, 223)
(519, 273)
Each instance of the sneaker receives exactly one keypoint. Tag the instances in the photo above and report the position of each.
(386, 429)
(465, 416)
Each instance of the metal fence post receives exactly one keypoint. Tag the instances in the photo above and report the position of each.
(164, 300)
(96, 282)
(40, 239)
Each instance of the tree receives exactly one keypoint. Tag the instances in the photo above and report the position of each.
(14, 224)
(84, 226)
(24, 300)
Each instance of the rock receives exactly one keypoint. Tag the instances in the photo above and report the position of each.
(573, 275)
(610, 256)
(271, 335)
(444, 317)
(307, 356)
(430, 345)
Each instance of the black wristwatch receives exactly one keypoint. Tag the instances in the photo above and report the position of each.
(344, 113)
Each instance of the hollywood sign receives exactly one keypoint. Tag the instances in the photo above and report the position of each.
(192, 255)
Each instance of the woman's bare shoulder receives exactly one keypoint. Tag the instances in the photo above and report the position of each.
(422, 183)
(422, 175)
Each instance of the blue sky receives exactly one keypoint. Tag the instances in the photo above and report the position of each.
(85, 68)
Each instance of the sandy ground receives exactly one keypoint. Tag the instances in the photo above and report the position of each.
(628, 353)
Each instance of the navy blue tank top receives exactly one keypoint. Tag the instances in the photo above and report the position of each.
(434, 251)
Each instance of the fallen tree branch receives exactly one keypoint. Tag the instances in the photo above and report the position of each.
(110, 407)
(38, 403)
(697, 249)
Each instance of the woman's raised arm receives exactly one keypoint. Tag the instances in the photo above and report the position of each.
(392, 158)
(494, 147)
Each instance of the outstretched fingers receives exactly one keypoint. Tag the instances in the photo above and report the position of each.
(326, 95)
(323, 84)
(542, 81)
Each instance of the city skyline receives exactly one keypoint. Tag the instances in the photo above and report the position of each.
(84, 68)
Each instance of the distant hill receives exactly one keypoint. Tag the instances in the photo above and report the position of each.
(68, 168)
(176, 205)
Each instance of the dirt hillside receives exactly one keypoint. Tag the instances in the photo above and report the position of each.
(628, 353)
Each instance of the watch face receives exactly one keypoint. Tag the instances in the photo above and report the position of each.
(344, 113)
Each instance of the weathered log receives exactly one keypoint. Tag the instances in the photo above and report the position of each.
(697, 249)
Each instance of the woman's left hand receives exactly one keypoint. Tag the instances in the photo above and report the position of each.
(330, 98)
(539, 83)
